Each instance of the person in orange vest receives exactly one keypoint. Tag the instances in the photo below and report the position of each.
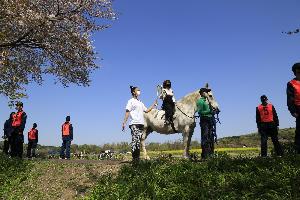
(33, 137)
(267, 124)
(18, 124)
(293, 102)
(67, 137)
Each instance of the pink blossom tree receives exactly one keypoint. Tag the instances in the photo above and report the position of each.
(39, 37)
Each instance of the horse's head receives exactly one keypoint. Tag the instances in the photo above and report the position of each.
(207, 92)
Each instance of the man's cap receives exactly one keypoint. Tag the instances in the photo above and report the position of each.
(19, 103)
(68, 118)
(204, 90)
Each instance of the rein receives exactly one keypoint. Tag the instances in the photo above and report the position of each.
(194, 117)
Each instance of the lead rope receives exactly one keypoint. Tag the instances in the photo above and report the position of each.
(194, 117)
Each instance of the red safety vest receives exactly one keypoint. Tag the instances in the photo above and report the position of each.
(32, 134)
(296, 86)
(66, 129)
(266, 113)
(17, 119)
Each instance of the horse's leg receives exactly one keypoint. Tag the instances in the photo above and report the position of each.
(191, 132)
(185, 135)
(143, 146)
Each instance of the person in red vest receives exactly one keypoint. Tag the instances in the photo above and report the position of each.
(33, 137)
(67, 137)
(18, 124)
(293, 101)
(267, 124)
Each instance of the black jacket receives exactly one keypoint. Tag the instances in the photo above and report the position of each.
(263, 125)
(291, 99)
(24, 118)
(8, 129)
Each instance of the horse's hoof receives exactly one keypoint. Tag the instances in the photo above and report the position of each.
(186, 157)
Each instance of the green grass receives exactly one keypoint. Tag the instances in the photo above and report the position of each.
(49, 179)
(235, 173)
(248, 151)
(12, 173)
(219, 178)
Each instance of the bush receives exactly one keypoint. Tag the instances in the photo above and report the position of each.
(218, 178)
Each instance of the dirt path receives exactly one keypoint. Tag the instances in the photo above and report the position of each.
(65, 179)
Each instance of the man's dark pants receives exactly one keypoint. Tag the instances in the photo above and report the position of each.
(66, 145)
(32, 144)
(17, 143)
(297, 135)
(207, 137)
(273, 133)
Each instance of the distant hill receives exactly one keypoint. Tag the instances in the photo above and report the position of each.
(253, 139)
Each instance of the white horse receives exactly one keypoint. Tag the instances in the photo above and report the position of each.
(184, 120)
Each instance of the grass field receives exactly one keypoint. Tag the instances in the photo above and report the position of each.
(234, 173)
(51, 179)
(231, 173)
(253, 151)
(218, 178)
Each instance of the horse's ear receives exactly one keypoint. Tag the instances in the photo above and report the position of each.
(206, 86)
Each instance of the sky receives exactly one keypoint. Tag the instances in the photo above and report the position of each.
(236, 46)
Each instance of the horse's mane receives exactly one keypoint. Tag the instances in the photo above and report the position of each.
(190, 98)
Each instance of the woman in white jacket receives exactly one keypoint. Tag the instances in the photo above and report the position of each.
(135, 110)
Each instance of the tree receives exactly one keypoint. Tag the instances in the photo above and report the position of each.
(39, 37)
(292, 32)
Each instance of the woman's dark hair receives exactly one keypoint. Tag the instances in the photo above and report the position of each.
(132, 88)
(11, 115)
(34, 125)
(166, 83)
